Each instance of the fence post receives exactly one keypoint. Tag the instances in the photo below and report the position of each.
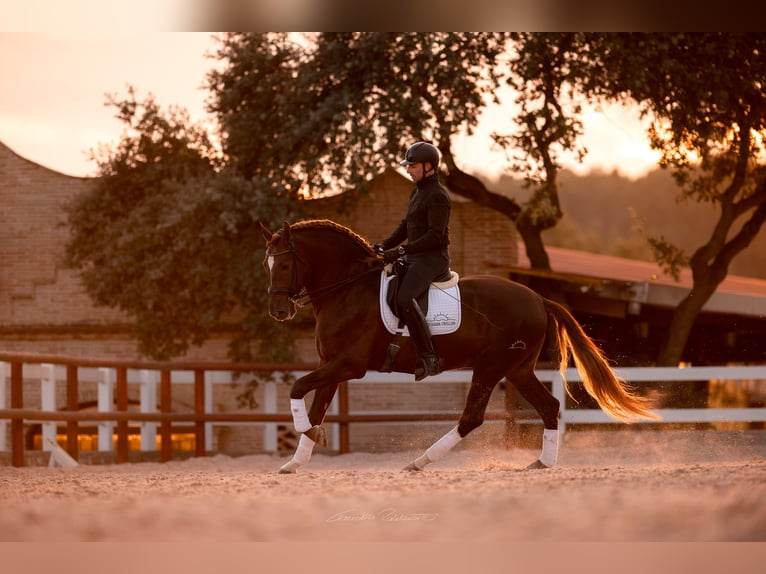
(3, 405)
(17, 402)
(199, 408)
(106, 405)
(72, 405)
(345, 439)
(166, 426)
(148, 395)
(333, 440)
(270, 442)
(558, 389)
(209, 409)
(121, 392)
(48, 403)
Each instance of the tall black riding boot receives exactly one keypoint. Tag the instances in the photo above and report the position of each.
(421, 335)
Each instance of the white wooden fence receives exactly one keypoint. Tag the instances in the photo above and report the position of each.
(691, 375)
(49, 374)
(635, 376)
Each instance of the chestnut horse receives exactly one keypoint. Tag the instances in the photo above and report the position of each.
(501, 334)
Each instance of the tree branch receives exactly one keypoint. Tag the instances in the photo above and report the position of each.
(472, 188)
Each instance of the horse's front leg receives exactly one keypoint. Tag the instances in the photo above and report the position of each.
(324, 381)
(329, 374)
(322, 398)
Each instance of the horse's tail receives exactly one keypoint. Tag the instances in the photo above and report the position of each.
(611, 392)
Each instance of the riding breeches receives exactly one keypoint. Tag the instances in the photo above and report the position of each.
(420, 274)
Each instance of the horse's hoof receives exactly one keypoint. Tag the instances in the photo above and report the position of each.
(412, 467)
(289, 468)
(318, 434)
(537, 465)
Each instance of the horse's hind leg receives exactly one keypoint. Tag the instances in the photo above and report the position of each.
(548, 407)
(484, 380)
(316, 434)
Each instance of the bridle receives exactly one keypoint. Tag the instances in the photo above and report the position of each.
(293, 295)
(302, 297)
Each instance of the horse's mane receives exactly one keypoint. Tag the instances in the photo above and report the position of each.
(332, 226)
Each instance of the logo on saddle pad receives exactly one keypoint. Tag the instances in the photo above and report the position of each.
(443, 316)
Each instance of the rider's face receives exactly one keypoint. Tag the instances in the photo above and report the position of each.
(416, 171)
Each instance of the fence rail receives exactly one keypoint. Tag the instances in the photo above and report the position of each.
(158, 378)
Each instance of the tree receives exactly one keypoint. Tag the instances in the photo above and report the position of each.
(169, 236)
(544, 72)
(356, 100)
(706, 95)
(334, 110)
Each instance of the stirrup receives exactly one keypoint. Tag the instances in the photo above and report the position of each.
(429, 365)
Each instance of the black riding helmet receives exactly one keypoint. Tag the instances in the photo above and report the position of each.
(422, 152)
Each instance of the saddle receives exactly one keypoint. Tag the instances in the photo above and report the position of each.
(399, 268)
(443, 316)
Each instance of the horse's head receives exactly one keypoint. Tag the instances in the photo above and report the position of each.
(310, 260)
(281, 265)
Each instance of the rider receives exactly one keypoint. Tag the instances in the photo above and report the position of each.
(426, 229)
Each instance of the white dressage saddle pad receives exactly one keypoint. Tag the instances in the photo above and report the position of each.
(443, 315)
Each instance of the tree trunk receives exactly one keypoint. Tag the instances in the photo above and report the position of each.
(682, 322)
(472, 188)
(710, 264)
(538, 258)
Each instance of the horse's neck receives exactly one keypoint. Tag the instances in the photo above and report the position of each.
(363, 285)
(332, 261)
(327, 273)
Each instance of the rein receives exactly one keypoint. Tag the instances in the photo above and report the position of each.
(303, 297)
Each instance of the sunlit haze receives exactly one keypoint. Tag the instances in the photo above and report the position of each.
(52, 107)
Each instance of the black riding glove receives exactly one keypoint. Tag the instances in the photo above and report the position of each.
(378, 248)
(391, 255)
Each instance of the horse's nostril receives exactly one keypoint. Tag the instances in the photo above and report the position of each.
(280, 315)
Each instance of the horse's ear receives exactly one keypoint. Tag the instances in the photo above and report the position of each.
(267, 235)
(286, 231)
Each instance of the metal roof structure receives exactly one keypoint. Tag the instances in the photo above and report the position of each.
(642, 282)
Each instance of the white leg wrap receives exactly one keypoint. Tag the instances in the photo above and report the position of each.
(420, 462)
(302, 454)
(443, 445)
(550, 452)
(300, 416)
(303, 451)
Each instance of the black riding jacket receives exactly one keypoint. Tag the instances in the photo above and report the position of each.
(426, 225)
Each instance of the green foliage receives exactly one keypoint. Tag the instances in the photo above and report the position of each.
(545, 71)
(670, 257)
(331, 111)
(172, 241)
